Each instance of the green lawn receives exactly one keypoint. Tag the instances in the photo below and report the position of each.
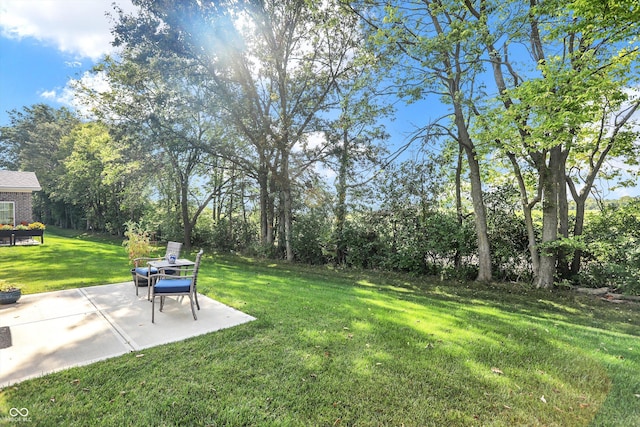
(343, 348)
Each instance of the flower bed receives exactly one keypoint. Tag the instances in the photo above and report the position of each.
(34, 229)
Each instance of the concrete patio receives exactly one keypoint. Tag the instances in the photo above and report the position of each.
(47, 332)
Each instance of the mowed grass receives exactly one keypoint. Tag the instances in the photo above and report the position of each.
(67, 260)
(346, 348)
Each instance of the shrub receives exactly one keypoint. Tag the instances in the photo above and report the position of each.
(507, 230)
(364, 246)
(203, 232)
(465, 272)
(309, 236)
(612, 255)
(138, 243)
(220, 235)
(433, 242)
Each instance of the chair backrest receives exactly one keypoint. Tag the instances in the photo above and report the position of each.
(196, 267)
(173, 248)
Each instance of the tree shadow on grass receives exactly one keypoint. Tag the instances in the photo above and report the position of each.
(552, 342)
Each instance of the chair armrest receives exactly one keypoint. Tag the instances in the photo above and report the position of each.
(136, 261)
(184, 271)
(171, 276)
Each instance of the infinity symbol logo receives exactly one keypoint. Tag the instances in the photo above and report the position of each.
(15, 412)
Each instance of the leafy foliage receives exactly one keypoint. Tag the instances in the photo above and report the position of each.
(138, 241)
(508, 235)
(612, 246)
(218, 114)
(310, 238)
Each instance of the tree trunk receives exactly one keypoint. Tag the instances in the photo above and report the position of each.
(484, 249)
(266, 231)
(457, 259)
(548, 259)
(184, 205)
(287, 214)
(563, 213)
(245, 222)
(274, 210)
(527, 207)
(232, 191)
(341, 208)
(578, 228)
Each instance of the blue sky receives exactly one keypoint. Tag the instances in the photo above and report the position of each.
(31, 73)
(44, 44)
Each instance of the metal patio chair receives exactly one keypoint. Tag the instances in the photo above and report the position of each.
(177, 285)
(141, 270)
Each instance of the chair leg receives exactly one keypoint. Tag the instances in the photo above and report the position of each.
(161, 302)
(193, 309)
(153, 308)
(195, 294)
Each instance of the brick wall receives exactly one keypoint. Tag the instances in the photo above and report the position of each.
(23, 205)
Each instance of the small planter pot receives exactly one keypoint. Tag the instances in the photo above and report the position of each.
(142, 281)
(10, 297)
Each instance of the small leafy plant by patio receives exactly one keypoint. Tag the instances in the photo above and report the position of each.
(7, 287)
(6, 227)
(138, 242)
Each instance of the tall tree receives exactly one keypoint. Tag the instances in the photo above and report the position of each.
(157, 105)
(355, 138)
(100, 179)
(274, 63)
(578, 58)
(610, 137)
(33, 142)
(431, 44)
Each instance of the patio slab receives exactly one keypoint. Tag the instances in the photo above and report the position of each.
(47, 332)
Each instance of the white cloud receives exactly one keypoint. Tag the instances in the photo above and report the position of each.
(315, 141)
(325, 171)
(76, 27)
(48, 94)
(69, 95)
